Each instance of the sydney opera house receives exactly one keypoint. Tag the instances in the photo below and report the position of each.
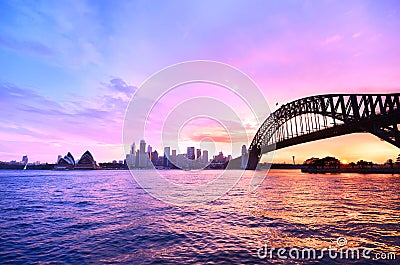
(68, 162)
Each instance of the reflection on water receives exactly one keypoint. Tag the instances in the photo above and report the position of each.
(105, 217)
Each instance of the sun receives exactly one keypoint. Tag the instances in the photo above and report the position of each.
(344, 162)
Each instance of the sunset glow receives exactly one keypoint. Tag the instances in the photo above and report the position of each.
(70, 68)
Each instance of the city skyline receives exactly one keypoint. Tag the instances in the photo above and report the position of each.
(72, 68)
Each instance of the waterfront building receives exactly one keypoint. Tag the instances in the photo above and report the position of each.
(190, 153)
(24, 160)
(173, 156)
(244, 157)
(198, 154)
(86, 161)
(131, 157)
(133, 148)
(167, 156)
(143, 157)
(66, 162)
(154, 158)
(205, 156)
(149, 153)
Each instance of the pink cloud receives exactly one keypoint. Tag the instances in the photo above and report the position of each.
(333, 39)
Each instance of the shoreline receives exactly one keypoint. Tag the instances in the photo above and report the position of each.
(351, 170)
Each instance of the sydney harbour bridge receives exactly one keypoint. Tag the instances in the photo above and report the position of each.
(324, 116)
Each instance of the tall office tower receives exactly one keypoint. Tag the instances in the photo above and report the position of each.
(133, 148)
(142, 146)
(154, 158)
(198, 154)
(131, 157)
(190, 153)
(25, 159)
(137, 158)
(205, 156)
(173, 156)
(167, 153)
(244, 157)
(143, 157)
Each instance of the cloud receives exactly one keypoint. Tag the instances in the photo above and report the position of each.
(333, 39)
(117, 85)
(25, 46)
(29, 116)
(356, 35)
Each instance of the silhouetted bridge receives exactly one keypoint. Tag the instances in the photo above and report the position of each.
(324, 116)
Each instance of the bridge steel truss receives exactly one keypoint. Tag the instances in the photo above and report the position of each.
(324, 116)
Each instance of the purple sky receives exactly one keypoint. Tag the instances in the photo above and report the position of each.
(69, 68)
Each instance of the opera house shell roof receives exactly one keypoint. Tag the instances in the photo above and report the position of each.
(68, 162)
(86, 161)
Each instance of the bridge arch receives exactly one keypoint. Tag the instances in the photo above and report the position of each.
(324, 116)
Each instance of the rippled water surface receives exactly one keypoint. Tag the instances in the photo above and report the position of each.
(95, 217)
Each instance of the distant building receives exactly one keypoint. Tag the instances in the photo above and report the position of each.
(220, 158)
(173, 156)
(24, 160)
(190, 153)
(142, 146)
(133, 148)
(205, 156)
(143, 157)
(244, 157)
(198, 154)
(66, 162)
(131, 157)
(154, 158)
(149, 154)
(86, 161)
(167, 156)
(181, 160)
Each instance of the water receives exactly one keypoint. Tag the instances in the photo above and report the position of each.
(104, 217)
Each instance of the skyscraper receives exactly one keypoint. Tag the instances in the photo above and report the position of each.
(131, 158)
(198, 154)
(167, 151)
(25, 159)
(149, 151)
(133, 148)
(244, 157)
(143, 157)
(190, 153)
(205, 156)
(142, 146)
(173, 157)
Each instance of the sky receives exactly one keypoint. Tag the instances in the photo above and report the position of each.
(70, 68)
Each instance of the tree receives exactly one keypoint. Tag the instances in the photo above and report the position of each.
(361, 163)
(390, 162)
(331, 162)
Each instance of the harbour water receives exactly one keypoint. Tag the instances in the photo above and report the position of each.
(104, 217)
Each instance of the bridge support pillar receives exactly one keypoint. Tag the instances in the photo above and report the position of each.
(254, 158)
